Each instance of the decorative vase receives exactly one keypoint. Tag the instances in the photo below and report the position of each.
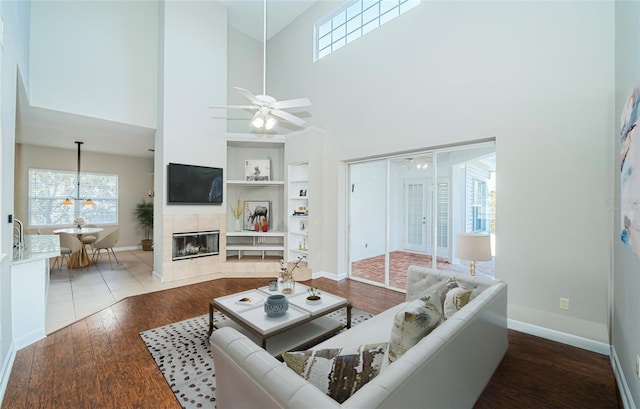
(288, 283)
(237, 226)
(276, 305)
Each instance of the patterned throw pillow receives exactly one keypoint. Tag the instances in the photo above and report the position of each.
(413, 322)
(453, 297)
(455, 300)
(338, 372)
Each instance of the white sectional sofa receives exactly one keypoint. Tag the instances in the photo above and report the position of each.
(449, 368)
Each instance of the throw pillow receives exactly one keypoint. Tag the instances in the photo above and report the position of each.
(455, 299)
(338, 372)
(413, 322)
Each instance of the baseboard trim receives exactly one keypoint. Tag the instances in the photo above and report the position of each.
(563, 337)
(324, 274)
(157, 276)
(623, 387)
(127, 248)
(6, 370)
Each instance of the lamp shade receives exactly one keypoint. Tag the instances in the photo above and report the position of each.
(473, 246)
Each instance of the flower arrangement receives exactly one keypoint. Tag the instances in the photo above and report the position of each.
(238, 210)
(78, 222)
(284, 269)
(286, 275)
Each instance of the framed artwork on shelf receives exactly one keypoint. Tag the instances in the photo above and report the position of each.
(257, 213)
(257, 170)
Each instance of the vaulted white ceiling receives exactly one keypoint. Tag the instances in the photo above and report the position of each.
(247, 15)
(41, 126)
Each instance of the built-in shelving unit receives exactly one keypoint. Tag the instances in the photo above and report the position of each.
(298, 210)
(245, 243)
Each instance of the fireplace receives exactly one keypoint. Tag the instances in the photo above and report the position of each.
(196, 244)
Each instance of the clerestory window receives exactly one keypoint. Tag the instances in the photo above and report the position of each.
(354, 20)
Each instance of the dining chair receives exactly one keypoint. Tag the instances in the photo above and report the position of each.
(107, 243)
(90, 238)
(69, 244)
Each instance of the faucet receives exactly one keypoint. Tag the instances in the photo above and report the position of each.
(20, 236)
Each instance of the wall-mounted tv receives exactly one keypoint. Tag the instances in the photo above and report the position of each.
(191, 184)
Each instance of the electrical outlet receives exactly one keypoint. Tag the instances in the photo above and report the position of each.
(638, 365)
(564, 303)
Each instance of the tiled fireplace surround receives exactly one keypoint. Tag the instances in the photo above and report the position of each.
(216, 265)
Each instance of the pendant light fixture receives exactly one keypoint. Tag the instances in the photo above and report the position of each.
(69, 200)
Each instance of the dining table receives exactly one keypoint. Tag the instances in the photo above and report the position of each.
(79, 259)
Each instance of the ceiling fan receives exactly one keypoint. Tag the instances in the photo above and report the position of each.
(267, 107)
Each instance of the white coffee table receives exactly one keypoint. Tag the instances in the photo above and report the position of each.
(303, 325)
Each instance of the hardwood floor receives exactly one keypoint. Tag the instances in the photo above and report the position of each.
(101, 361)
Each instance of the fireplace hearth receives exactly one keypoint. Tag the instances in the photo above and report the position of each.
(196, 244)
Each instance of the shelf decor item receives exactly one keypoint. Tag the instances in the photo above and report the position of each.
(276, 305)
(257, 170)
(286, 276)
(254, 214)
(237, 211)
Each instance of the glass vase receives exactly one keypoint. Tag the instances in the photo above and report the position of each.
(288, 283)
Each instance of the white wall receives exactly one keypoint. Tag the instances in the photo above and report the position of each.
(14, 58)
(195, 72)
(244, 70)
(368, 204)
(537, 76)
(194, 76)
(103, 56)
(626, 267)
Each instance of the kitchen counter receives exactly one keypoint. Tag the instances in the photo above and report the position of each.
(30, 287)
(37, 247)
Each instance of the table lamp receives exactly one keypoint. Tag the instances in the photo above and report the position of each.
(473, 247)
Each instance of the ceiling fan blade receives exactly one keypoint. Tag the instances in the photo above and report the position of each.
(291, 103)
(288, 117)
(249, 95)
(233, 106)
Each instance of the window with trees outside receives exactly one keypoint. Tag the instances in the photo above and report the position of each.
(48, 188)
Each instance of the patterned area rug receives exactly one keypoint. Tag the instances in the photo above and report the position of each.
(183, 355)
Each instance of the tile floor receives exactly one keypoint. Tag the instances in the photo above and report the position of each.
(76, 294)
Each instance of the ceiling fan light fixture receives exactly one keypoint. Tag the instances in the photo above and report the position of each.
(258, 120)
(270, 122)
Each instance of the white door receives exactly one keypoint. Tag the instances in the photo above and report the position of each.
(417, 220)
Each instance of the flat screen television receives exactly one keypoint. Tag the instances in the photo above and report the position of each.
(191, 184)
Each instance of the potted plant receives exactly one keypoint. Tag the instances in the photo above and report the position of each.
(144, 214)
(314, 296)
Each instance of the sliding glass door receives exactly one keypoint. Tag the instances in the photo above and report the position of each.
(408, 209)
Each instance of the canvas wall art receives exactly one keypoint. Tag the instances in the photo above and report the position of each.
(257, 170)
(257, 212)
(630, 174)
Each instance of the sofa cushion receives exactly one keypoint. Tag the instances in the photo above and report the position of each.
(453, 297)
(454, 300)
(413, 322)
(338, 372)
